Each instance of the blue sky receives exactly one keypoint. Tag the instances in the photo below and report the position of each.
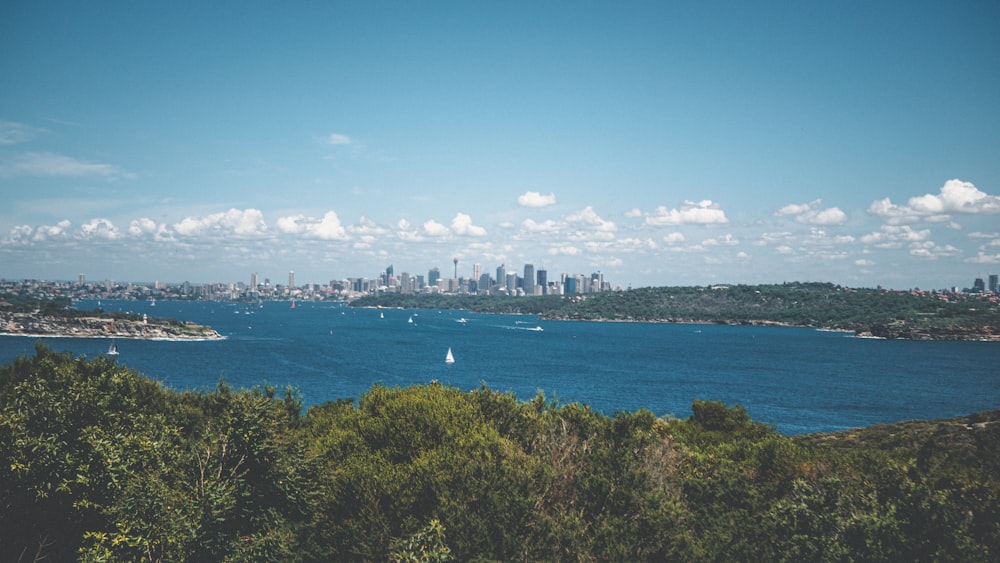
(662, 143)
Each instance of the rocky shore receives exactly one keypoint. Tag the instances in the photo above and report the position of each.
(984, 334)
(28, 324)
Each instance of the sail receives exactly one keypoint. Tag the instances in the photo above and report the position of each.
(449, 358)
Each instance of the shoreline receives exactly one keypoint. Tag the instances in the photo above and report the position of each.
(26, 324)
(963, 334)
(116, 337)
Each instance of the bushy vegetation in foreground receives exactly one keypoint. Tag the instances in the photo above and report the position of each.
(99, 463)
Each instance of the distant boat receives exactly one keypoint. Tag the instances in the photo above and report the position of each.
(113, 349)
(463, 320)
(410, 320)
(381, 315)
(293, 303)
(152, 303)
(449, 358)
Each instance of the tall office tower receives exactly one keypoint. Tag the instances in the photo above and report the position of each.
(433, 276)
(978, 286)
(501, 275)
(529, 279)
(993, 283)
(543, 281)
(476, 272)
(81, 279)
(569, 285)
(484, 283)
(511, 283)
(253, 281)
(291, 279)
(404, 283)
(388, 275)
(596, 282)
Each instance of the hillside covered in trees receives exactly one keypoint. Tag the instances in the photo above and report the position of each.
(99, 463)
(875, 312)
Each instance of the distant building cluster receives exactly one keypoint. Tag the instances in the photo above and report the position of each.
(513, 282)
(524, 282)
(979, 286)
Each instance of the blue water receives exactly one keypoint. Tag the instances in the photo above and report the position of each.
(800, 380)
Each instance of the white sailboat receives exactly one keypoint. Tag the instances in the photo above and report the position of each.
(410, 320)
(449, 358)
(113, 349)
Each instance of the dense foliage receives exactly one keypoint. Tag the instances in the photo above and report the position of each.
(803, 304)
(99, 463)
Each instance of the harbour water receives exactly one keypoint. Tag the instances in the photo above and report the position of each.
(801, 380)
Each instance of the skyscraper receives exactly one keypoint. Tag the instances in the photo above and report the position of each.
(543, 281)
(291, 279)
(529, 279)
(993, 283)
(433, 276)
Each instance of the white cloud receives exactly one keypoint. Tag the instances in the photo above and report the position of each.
(812, 214)
(588, 216)
(20, 234)
(434, 229)
(633, 213)
(12, 133)
(326, 228)
(704, 212)
(142, 226)
(565, 250)
(50, 164)
(249, 222)
(329, 228)
(462, 224)
(955, 196)
(536, 199)
(984, 258)
(674, 238)
(339, 139)
(893, 236)
(546, 226)
(931, 251)
(727, 240)
(863, 262)
(99, 228)
(47, 232)
(793, 209)
(406, 231)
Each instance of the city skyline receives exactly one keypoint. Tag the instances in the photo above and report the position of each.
(661, 144)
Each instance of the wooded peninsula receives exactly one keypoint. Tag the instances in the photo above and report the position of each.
(98, 463)
(29, 316)
(865, 312)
